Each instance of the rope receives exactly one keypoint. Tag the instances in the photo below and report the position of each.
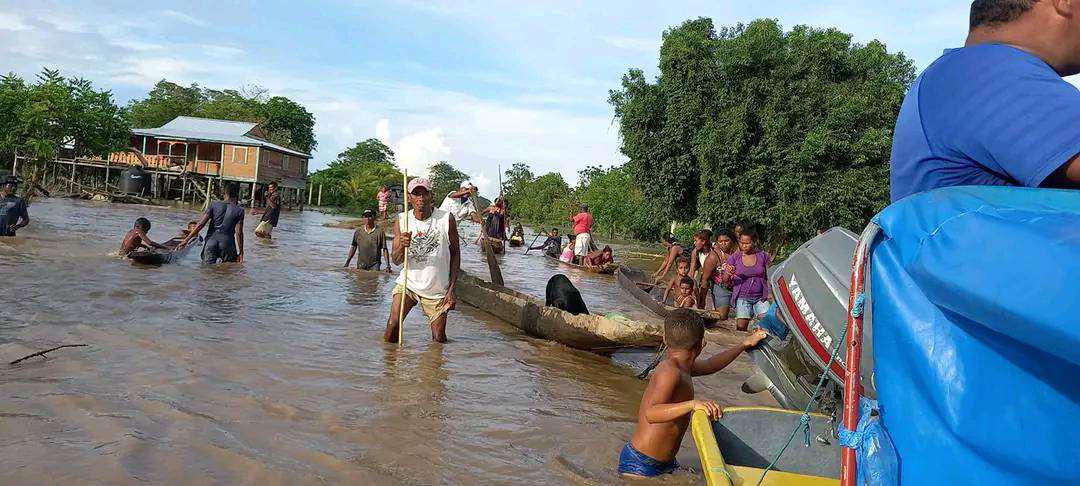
(655, 362)
(804, 420)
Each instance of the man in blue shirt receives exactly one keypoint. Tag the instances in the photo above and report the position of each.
(997, 111)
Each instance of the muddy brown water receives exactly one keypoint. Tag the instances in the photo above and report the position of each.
(273, 372)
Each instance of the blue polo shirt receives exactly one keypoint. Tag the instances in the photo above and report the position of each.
(987, 114)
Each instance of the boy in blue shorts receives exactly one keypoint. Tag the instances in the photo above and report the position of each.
(668, 401)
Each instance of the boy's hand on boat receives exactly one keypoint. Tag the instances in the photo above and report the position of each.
(710, 407)
(755, 338)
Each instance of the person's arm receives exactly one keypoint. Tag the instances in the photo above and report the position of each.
(707, 270)
(401, 242)
(720, 361)
(450, 302)
(661, 388)
(195, 232)
(1065, 177)
(239, 230)
(24, 217)
(672, 253)
(667, 291)
(145, 240)
(352, 252)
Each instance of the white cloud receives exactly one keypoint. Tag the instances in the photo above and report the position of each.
(418, 151)
(641, 44)
(183, 17)
(485, 185)
(146, 71)
(12, 22)
(382, 130)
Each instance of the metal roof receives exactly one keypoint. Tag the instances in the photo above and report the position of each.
(190, 128)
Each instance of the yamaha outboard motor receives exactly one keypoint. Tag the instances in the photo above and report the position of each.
(806, 324)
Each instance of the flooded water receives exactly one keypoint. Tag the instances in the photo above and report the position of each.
(273, 372)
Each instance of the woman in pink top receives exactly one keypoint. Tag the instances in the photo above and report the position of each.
(384, 201)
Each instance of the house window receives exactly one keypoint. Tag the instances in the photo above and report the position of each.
(285, 161)
(239, 155)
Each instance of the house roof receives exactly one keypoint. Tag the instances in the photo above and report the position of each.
(190, 128)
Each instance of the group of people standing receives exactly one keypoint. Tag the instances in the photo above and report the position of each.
(729, 265)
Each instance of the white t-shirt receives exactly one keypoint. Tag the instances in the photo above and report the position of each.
(429, 254)
(460, 210)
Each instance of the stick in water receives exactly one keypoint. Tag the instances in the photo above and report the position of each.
(533, 243)
(405, 267)
(42, 353)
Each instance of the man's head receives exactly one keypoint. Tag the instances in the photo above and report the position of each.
(143, 224)
(8, 184)
(368, 217)
(686, 286)
(272, 187)
(584, 208)
(554, 231)
(684, 330)
(1049, 29)
(231, 191)
(703, 239)
(607, 252)
(669, 240)
(420, 193)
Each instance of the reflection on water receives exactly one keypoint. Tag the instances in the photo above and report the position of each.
(274, 371)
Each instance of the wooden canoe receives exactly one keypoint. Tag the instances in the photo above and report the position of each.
(159, 257)
(516, 241)
(497, 245)
(630, 278)
(587, 332)
(608, 269)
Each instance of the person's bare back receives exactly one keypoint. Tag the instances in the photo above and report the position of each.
(669, 384)
(132, 241)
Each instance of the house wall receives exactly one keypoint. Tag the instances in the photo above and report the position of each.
(272, 167)
(238, 161)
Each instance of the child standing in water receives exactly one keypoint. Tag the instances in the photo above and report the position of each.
(669, 400)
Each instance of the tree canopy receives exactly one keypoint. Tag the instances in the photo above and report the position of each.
(284, 121)
(444, 178)
(791, 130)
(37, 120)
(353, 178)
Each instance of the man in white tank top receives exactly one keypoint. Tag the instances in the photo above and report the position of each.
(431, 241)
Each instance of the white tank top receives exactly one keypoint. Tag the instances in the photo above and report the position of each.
(429, 254)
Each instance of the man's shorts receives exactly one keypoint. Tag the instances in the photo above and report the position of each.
(748, 309)
(264, 228)
(582, 242)
(432, 308)
(631, 461)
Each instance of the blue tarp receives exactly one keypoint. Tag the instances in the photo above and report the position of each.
(976, 328)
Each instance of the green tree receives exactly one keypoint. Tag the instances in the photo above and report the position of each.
(14, 99)
(788, 129)
(517, 179)
(351, 180)
(616, 202)
(288, 123)
(166, 101)
(445, 178)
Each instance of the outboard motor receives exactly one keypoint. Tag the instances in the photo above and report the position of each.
(805, 326)
(134, 181)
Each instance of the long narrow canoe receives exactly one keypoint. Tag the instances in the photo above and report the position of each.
(635, 282)
(159, 257)
(607, 269)
(586, 332)
(739, 447)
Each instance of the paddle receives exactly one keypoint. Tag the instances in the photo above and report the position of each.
(405, 266)
(533, 243)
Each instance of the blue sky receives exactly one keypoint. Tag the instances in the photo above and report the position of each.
(476, 83)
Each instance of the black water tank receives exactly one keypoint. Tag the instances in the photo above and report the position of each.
(135, 181)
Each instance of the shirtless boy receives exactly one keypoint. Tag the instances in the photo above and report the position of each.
(668, 401)
(136, 238)
(682, 270)
(685, 298)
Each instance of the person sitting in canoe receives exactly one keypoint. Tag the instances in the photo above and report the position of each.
(552, 245)
(136, 238)
(598, 258)
(191, 225)
(668, 401)
(682, 270)
(685, 298)
(567, 254)
(518, 234)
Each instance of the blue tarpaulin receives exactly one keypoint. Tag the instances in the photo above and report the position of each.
(976, 328)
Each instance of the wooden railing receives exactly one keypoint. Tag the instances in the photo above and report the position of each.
(167, 162)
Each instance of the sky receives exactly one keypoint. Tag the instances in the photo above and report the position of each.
(479, 84)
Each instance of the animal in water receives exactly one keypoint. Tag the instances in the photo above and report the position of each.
(562, 294)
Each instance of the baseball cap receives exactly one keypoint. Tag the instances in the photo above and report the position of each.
(419, 182)
(368, 213)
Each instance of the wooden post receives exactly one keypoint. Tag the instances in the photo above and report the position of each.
(106, 175)
(320, 195)
(15, 164)
(405, 265)
(252, 187)
(183, 190)
(206, 205)
(71, 184)
(309, 191)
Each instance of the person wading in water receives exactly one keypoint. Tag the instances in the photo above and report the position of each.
(13, 213)
(225, 238)
(370, 240)
(430, 242)
(272, 212)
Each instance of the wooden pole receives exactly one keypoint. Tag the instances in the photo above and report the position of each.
(320, 195)
(206, 205)
(309, 191)
(71, 187)
(405, 266)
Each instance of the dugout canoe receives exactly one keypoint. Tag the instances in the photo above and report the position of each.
(630, 278)
(608, 269)
(516, 241)
(160, 257)
(586, 332)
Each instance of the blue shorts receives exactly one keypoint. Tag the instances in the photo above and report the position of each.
(633, 462)
(721, 296)
(747, 309)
